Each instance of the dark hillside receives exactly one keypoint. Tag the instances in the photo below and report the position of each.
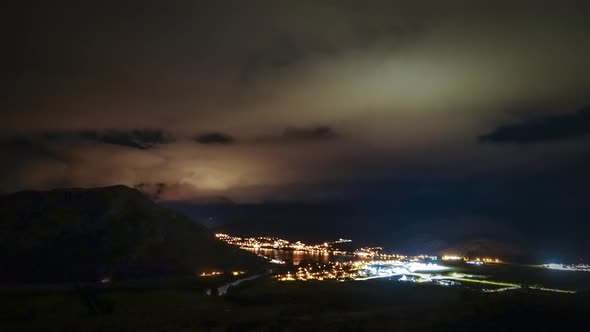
(82, 234)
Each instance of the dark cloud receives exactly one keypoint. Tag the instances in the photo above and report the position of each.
(293, 135)
(153, 190)
(139, 138)
(215, 138)
(543, 129)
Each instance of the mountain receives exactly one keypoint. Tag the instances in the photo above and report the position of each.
(84, 234)
(401, 228)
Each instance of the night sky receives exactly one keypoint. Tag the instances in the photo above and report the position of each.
(419, 125)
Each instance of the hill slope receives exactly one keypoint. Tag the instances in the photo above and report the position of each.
(85, 233)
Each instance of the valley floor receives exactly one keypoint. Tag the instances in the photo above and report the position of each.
(266, 305)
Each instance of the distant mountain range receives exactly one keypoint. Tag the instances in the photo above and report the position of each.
(85, 234)
(395, 227)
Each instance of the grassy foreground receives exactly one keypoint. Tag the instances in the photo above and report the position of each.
(265, 305)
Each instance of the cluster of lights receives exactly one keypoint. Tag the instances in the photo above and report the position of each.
(266, 242)
(319, 271)
(391, 256)
(571, 267)
(419, 269)
(368, 252)
(423, 257)
(359, 270)
(327, 248)
(211, 274)
(415, 272)
(475, 261)
(375, 253)
(452, 258)
(397, 267)
(254, 242)
(218, 273)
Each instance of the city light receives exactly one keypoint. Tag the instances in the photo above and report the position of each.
(266, 242)
(475, 262)
(570, 267)
(368, 263)
(452, 258)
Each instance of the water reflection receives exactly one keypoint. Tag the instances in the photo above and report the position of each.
(296, 256)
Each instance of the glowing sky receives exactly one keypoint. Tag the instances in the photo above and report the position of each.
(395, 86)
(302, 101)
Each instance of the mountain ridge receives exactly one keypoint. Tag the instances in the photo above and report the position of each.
(86, 233)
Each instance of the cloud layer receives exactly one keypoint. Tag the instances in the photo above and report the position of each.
(262, 101)
(543, 129)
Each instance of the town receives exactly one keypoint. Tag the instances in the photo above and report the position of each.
(337, 249)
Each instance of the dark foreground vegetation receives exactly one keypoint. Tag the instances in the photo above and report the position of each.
(265, 305)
